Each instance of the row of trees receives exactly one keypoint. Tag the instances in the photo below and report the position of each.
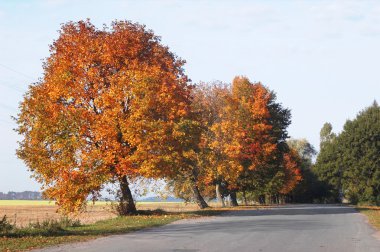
(349, 162)
(242, 144)
(114, 105)
(347, 168)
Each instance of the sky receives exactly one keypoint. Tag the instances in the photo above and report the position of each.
(320, 57)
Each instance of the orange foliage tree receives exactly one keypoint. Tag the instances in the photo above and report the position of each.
(206, 104)
(243, 137)
(108, 109)
(292, 172)
(115, 105)
(254, 131)
(211, 101)
(259, 131)
(243, 140)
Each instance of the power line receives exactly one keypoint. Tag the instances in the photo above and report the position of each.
(7, 118)
(5, 122)
(16, 71)
(8, 107)
(12, 87)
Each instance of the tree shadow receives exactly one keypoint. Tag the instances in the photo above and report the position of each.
(302, 209)
(226, 221)
(295, 217)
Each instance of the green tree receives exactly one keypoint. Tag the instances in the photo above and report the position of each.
(326, 135)
(327, 166)
(304, 149)
(350, 162)
(360, 144)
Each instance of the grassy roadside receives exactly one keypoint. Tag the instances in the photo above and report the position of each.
(52, 203)
(373, 214)
(39, 236)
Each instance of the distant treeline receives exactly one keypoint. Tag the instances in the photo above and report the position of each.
(26, 195)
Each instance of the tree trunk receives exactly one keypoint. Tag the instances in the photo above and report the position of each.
(219, 194)
(245, 198)
(126, 204)
(196, 193)
(197, 196)
(233, 198)
(282, 199)
(268, 199)
(262, 199)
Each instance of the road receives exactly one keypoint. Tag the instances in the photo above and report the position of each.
(287, 228)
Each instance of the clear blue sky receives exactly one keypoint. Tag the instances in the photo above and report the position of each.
(321, 57)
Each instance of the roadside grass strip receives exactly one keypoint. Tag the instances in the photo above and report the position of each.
(373, 214)
(53, 232)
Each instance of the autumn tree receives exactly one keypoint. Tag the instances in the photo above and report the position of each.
(246, 139)
(253, 145)
(261, 132)
(111, 106)
(242, 144)
(190, 160)
(208, 101)
(242, 128)
(292, 172)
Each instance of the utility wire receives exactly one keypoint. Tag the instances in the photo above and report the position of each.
(5, 122)
(18, 72)
(2, 105)
(12, 87)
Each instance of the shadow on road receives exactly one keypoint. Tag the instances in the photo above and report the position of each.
(231, 222)
(295, 210)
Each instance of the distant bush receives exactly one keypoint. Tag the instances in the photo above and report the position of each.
(54, 225)
(67, 222)
(157, 211)
(5, 226)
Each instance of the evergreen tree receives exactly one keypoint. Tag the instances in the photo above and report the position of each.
(350, 161)
(360, 141)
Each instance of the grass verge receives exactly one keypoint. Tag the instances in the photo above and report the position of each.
(373, 214)
(49, 234)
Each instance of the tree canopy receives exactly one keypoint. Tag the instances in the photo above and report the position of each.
(350, 162)
(114, 105)
(105, 111)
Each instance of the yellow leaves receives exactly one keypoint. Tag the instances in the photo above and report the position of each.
(106, 107)
(115, 102)
(292, 171)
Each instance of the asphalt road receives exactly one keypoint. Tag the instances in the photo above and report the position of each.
(288, 228)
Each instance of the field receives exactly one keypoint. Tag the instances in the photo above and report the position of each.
(99, 220)
(23, 212)
(54, 233)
